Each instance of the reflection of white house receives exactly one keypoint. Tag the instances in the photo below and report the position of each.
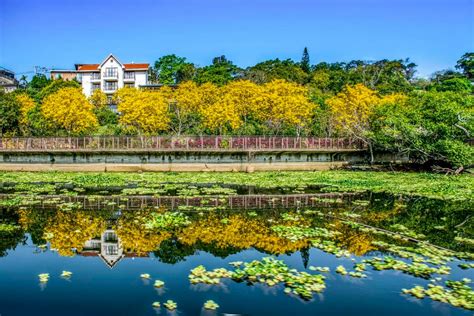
(111, 75)
(108, 247)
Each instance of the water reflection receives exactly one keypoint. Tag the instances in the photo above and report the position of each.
(375, 230)
(114, 234)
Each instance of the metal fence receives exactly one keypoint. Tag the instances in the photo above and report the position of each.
(177, 143)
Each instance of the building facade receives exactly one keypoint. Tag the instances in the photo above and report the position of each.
(7, 80)
(111, 75)
(66, 75)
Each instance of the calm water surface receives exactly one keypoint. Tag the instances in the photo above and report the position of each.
(108, 247)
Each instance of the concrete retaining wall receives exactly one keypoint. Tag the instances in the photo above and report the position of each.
(181, 161)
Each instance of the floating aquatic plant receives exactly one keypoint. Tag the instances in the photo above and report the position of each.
(271, 272)
(66, 274)
(159, 283)
(341, 270)
(43, 277)
(167, 220)
(355, 274)
(145, 276)
(456, 293)
(201, 275)
(466, 266)
(210, 304)
(156, 304)
(295, 233)
(170, 305)
(319, 269)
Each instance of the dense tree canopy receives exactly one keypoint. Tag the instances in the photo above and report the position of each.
(378, 102)
(220, 72)
(171, 69)
(10, 114)
(68, 109)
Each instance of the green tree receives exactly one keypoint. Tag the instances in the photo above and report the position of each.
(56, 85)
(270, 70)
(305, 64)
(453, 84)
(171, 69)
(431, 127)
(385, 76)
(9, 113)
(221, 72)
(37, 83)
(466, 64)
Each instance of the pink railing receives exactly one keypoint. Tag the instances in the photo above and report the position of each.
(177, 143)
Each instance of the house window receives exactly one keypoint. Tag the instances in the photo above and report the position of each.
(129, 85)
(110, 86)
(111, 72)
(129, 75)
(95, 86)
(111, 250)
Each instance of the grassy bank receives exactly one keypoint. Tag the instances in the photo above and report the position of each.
(423, 184)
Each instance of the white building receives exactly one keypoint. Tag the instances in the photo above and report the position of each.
(111, 75)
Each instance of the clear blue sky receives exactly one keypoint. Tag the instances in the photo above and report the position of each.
(59, 33)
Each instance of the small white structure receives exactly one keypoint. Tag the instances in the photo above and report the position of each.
(111, 75)
(108, 247)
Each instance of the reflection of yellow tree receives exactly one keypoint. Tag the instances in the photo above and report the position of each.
(68, 230)
(237, 231)
(25, 218)
(134, 236)
(354, 241)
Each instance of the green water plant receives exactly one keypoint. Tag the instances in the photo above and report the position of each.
(170, 305)
(341, 270)
(456, 293)
(156, 304)
(211, 305)
(201, 275)
(319, 269)
(43, 277)
(271, 271)
(66, 274)
(145, 276)
(167, 221)
(159, 284)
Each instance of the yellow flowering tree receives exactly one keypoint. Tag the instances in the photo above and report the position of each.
(217, 115)
(69, 109)
(246, 98)
(26, 105)
(286, 104)
(351, 110)
(98, 99)
(145, 112)
(185, 107)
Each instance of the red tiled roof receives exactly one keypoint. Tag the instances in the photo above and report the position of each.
(136, 66)
(88, 67)
(92, 67)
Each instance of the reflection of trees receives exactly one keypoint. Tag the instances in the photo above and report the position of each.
(237, 231)
(353, 240)
(68, 230)
(130, 228)
(172, 251)
(34, 222)
(440, 221)
(12, 233)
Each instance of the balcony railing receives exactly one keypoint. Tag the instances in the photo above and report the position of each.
(113, 75)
